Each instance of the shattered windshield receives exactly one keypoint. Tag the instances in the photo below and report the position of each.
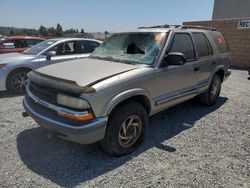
(131, 48)
(36, 49)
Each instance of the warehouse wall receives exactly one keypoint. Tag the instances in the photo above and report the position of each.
(238, 39)
(227, 9)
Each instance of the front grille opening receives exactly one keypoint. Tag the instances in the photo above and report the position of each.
(47, 94)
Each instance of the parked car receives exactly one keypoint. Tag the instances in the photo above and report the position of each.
(109, 96)
(15, 66)
(18, 43)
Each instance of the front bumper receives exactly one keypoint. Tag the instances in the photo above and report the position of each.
(3, 76)
(84, 133)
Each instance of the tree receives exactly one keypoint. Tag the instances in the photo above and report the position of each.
(51, 31)
(82, 31)
(59, 31)
(11, 32)
(69, 31)
(106, 33)
(77, 31)
(43, 31)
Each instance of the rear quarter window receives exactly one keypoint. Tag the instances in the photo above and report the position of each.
(220, 42)
(203, 46)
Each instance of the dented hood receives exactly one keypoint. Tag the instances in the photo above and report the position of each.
(86, 71)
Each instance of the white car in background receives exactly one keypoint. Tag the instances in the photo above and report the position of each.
(15, 66)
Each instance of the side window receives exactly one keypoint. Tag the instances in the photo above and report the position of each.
(89, 46)
(77, 47)
(65, 48)
(202, 45)
(182, 42)
(220, 41)
(20, 43)
(8, 44)
(31, 42)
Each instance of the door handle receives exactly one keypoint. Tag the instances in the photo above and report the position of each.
(196, 68)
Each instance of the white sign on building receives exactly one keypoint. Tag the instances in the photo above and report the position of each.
(244, 24)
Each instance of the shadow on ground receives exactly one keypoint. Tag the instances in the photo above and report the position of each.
(68, 164)
(5, 94)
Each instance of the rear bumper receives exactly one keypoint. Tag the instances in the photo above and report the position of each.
(85, 133)
(227, 74)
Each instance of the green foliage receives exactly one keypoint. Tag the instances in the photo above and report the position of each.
(59, 31)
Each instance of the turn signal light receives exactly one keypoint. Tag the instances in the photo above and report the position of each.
(85, 117)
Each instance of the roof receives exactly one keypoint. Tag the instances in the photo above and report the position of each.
(69, 39)
(167, 28)
(23, 37)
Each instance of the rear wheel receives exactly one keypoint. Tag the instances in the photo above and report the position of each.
(16, 81)
(125, 130)
(211, 95)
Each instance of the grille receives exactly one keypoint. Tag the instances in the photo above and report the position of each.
(45, 93)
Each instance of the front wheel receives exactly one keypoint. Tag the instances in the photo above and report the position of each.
(210, 97)
(16, 81)
(126, 129)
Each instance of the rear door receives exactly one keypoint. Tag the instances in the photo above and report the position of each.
(174, 82)
(205, 56)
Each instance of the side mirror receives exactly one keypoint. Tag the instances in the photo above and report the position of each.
(175, 58)
(50, 54)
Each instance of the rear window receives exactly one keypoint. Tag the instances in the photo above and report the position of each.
(203, 46)
(220, 42)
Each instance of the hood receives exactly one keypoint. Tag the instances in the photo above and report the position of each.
(86, 71)
(10, 58)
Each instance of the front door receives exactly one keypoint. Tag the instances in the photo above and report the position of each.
(174, 83)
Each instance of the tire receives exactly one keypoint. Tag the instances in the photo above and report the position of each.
(210, 97)
(15, 82)
(125, 130)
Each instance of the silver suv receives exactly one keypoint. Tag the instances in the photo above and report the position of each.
(109, 96)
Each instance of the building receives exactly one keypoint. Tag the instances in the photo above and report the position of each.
(231, 9)
(232, 18)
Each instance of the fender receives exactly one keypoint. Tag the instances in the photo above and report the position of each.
(218, 68)
(123, 96)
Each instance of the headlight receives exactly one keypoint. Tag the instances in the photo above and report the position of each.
(2, 65)
(72, 102)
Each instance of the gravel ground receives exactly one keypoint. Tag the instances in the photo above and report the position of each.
(186, 146)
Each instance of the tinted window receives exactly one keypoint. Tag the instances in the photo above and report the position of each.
(202, 45)
(220, 42)
(32, 42)
(68, 48)
(19, 43)
(183, 43)
(89, 46)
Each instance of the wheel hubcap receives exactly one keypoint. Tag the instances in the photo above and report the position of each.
(130, 131)
(18, 81)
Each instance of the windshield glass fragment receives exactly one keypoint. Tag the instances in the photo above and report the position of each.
(131, 48)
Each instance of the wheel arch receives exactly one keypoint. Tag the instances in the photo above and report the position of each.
(220, 70)
(16, 69)
(138, 95)
(10, 73)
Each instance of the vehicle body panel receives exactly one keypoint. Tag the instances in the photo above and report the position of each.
(14, 61)
(9, 44)
(113, 82)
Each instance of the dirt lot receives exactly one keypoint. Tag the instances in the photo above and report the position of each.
(186, 146)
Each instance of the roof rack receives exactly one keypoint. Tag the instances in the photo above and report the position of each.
(161, 26)
(197, 27)
(180, 26)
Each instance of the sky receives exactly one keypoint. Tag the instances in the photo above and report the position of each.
(102, 15)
